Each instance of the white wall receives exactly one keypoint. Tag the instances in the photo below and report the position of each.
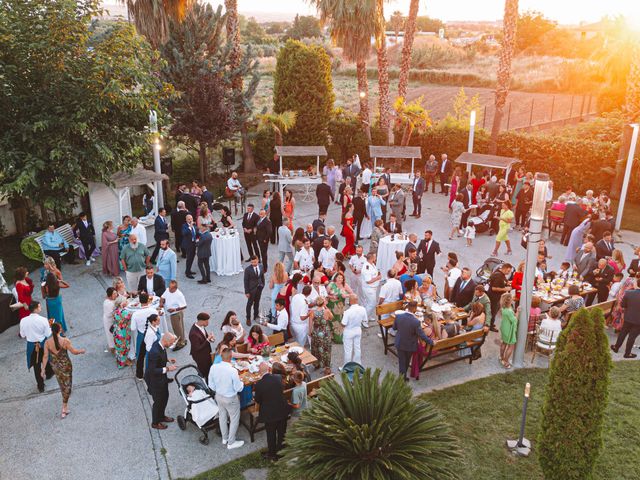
(104, 206)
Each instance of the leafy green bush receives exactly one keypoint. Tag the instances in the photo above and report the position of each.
(30, 248)
(575, 400)
(370, 430)
(302, 83)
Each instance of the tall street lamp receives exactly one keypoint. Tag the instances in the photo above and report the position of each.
(472, 128)
(627, 173)
(535, 235)
(158, 199)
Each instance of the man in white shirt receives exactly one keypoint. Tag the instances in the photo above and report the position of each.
(356, 262)
(391, 291)
(225, 381)
(300, 315)
(174, 303)
(352, 320)
(234, 185)
(370, 282)
(327, 256)
(108, 306)
(452, 275)
(366, 175)
(138, 326)
(282, 319)
(304, 258)
(139, 230)
(35, 329)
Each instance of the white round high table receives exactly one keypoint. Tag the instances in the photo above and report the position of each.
(225, 255)
(387, 252)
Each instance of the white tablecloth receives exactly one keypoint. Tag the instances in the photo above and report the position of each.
(225, 255)
(387, 253)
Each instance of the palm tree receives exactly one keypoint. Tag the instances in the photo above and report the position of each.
(151, 17)
(351, 25)
(370, 429)
(510, 23)
(233, 32)
(407, 46)
(279, 123)
(383, 70)
(412, 116)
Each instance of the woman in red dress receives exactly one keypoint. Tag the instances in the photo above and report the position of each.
(24, 287)
(516, 282)
(347, 230)
(476, 183)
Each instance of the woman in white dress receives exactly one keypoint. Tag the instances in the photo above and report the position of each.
(365, 228)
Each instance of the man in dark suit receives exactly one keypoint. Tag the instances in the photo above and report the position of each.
(350, 171)
(249, 222)
(463, 289)
(605, 246)
(263, 234)
(408, 330)
(178, 219)
(253, 285)
(319, 222)
(393, 226)
(324, 196)
(573, 215)
(444, 171)
(631, 325)
(525, 200)
(274, 409)
(87, 235)
(188, 244)
(585, 262)
(161, 227)
(155, 376)
(602, 278)
(207, 196)
(204, 253)
(318, 243)
(427, 251)
(387, 177)
(599, 227)
(417, 190)
(359, 211)
(201, 341)
(189, 200)
(151, 280)
(634, 266)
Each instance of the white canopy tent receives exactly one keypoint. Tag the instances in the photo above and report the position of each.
(301, 151)
(376, 152)
(488, 161)
(112, 202)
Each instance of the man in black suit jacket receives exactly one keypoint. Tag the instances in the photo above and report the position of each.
(444, 171)
(188, 243)
(274, 409)
(605, 246)
(204, 253)
(161, 232)
(157, 282)
(319, 222)
(463, 289)
(599, 228)
(634, 266)
(253, 285)
(351, 171)
(207, 196)
(155, 376)
(263, 234)
(393, 226)
(427, 251)
(249, 222)
(408, 330)
(359, 211)
(178, 219)
(631, 325)
(387, 177)
(467, 200)
(417, 190)
(602, 278)
(573, 215)
(318, 243)
(201, 341)
(324, 196)
(87, 235)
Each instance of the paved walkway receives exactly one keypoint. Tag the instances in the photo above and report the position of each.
(108, 432)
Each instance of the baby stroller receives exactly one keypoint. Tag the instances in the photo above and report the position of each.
(201, 409)
(352, 369)
(483, 221)
(489, 266)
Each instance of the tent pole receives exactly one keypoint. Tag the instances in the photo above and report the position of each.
(280, 157)
(412, 164)
(318, 165)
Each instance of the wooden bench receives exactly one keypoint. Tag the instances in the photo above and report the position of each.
(386, 323)
(254, 409)
(606, 307)
(67, 234)
(471, 340)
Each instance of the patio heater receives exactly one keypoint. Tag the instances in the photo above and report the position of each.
(472, 128)
(627, 173)
(158, 200)
(535, 235)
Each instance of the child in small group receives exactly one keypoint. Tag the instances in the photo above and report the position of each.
(201, 411)
(615, 286)
(298, 394)
(470, 233)
(564, 272)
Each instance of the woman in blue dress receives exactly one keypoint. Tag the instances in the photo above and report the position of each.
(123, 232)
(54, 300)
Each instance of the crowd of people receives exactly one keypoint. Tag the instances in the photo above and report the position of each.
(321, 294)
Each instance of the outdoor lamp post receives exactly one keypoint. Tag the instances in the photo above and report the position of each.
(535, 234)
(472, 127)
(627, 173)
(522, 446)
(158, 200)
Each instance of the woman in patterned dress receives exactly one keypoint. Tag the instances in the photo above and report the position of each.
(320, 334)
(122, 332)
(338, 291)
(56, 350)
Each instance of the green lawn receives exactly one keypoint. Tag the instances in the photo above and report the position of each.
(486, 412)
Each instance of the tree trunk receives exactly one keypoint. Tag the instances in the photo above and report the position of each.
(383, 87)
(510, 23)
(249, 163)
(204, 164)
(363, 88)
(405, 62)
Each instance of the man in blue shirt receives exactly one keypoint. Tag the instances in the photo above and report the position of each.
(54, 246)
(167, 262)
(411, 273)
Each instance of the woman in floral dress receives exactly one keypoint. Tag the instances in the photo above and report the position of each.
(121, 332)
(338, 291)
(320, 334)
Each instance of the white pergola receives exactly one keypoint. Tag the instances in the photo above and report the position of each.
(376, 152)
(488, 161)
(301, 151)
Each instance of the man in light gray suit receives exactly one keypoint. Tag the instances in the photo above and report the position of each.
(396, 201)
(284, 247)
(585, 262)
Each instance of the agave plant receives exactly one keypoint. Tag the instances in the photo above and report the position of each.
(370, 429)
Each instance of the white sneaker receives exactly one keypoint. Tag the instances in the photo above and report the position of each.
(365, 325)
(236, 444)
(88, 263)
(224, 442)
(93, 259)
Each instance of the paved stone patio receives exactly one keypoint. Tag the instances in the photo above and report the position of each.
(108, 433)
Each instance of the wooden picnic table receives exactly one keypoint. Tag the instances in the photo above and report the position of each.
(557, 298)
(249, 378)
